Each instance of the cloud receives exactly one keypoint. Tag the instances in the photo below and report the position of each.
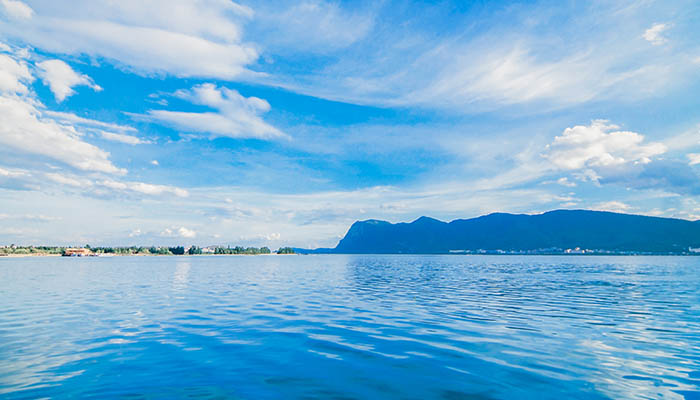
(311, 26)
(236, 117)
(654, 34)
(613, 206)
(25, 130)
(121, 138)
(178, 232)
(135, 233)
(14, 75)
(143, 188)
(161, 36)
(86, 122)
(669, 176)
(564, 181)
(106, 187)
(154, 162)
(31, 217)
(598, 145)
(693, 158)
(16, 180)
(61, 78)
(17, 9)
(68, 181)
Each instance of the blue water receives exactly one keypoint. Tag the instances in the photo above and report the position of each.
(409, 327)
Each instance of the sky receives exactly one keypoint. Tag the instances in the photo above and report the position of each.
(272, 123)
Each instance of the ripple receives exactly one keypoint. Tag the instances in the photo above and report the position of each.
(351, 327)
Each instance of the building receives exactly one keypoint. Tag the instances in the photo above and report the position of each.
(77, 252)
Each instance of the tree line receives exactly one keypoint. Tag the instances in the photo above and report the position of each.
(144, 250)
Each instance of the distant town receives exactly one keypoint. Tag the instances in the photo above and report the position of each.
(88, 251)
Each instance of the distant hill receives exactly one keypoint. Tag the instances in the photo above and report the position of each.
(551, 232)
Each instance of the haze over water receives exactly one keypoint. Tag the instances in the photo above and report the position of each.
(444, 327)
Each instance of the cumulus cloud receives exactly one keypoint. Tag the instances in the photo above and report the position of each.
(236, 116)
(600, 145)
(178, 232)
(16, 9)
(61, 78)
(160, 36)
(654, 34)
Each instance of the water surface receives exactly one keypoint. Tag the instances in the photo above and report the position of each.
(409, 327)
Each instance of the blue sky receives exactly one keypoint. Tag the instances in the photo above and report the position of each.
(280, 123)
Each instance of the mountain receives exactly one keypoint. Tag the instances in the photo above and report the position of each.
(554, 230)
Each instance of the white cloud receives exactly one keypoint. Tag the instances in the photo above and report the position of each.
(654, 34)
(237, 116)
(17, 9)
(61, 78)
(154, 162)
(312, 26)
(69, 181)
(6, 172)
(161, 36)
(566, 182)
(178, 232)
(135, 233)
(613, 206)
(121, 138)
(693, 158)
(25, 130)
(597, 145)
(14, 75)
(31, 217)
(143, 188)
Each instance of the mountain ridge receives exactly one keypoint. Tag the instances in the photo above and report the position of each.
(551, 231)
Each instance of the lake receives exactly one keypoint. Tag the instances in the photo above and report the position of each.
(344, 327)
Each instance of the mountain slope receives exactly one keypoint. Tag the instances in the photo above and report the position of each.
(562, 229)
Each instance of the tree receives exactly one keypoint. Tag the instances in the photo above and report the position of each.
(179, 250)
(285, 250)
(194, 250)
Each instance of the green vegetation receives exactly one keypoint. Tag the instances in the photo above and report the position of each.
(37, 250)
(242, 250)
(194, 250)
(286, 250)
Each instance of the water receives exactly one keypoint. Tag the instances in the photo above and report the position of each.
(413, 327)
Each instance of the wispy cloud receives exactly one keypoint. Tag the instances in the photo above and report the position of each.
(121, 138)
